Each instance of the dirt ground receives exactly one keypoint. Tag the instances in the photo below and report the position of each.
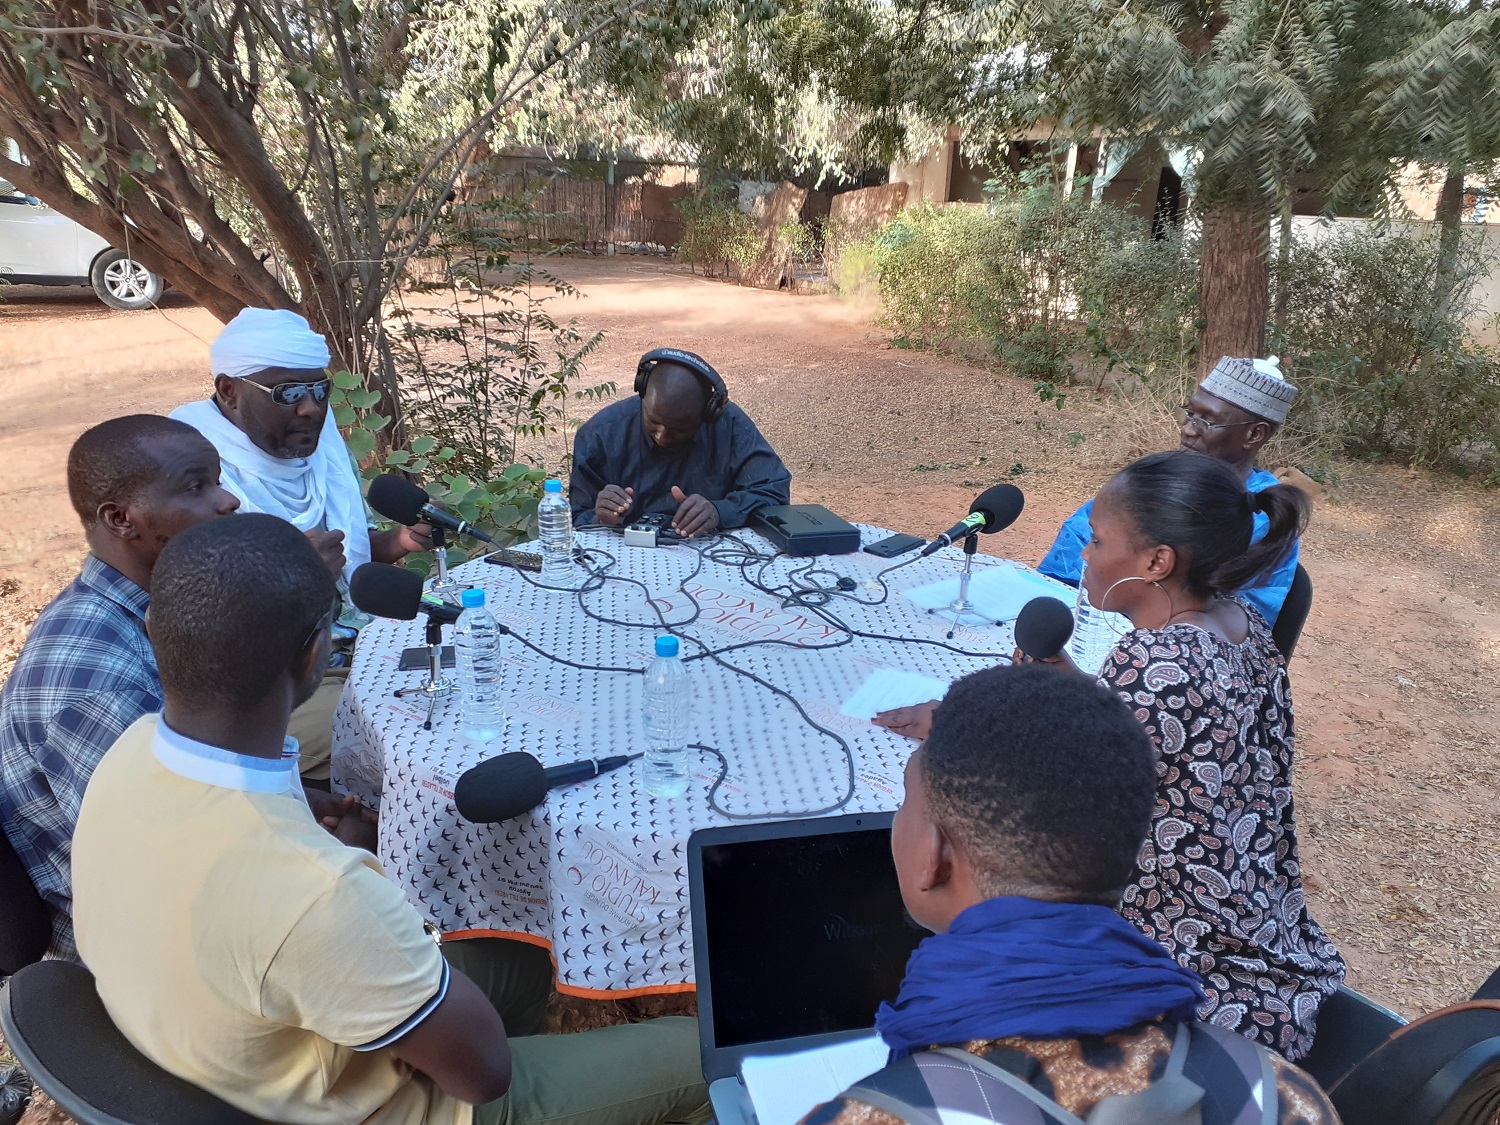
(1398, 777)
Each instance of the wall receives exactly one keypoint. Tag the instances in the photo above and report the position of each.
(631, 214)
(930, 178)
(866, 210)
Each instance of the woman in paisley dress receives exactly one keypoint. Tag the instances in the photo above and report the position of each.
(1218, 881)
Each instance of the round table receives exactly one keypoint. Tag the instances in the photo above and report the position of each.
(598, 871)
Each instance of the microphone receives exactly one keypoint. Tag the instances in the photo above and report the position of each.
(994, 509)
(513, 784)
(396, 498)
(1043, 627)
(383, 590)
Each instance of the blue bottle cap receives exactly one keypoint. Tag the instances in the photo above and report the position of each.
(471, 599)
(666, 646)
(552, 486)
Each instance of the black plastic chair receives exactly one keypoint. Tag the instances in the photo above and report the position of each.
(1293, 615)
(1490, 989)
(1350, 1027)
(1443, 1067)
(57, 1028)
(56, 1025)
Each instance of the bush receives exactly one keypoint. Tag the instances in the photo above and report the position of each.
(1385, 364)
(483, 362)
(716, 234)
(1048, 284)
(1055, 288)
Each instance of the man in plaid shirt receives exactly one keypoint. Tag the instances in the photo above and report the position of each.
(87, 671)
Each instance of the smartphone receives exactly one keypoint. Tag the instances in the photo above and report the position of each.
(414, 658)
(521, 560)
(895, 545)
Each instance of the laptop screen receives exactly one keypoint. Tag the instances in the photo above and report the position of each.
(806, 934)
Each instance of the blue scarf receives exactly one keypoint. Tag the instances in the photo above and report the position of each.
(1039, 970)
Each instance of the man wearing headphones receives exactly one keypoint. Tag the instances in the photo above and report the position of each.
(679, 448)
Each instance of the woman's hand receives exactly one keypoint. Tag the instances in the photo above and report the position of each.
(1061, 660)
(914, 722)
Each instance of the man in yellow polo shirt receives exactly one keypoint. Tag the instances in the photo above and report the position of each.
(242, 947)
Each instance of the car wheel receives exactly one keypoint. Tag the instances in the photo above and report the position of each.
(123, 283)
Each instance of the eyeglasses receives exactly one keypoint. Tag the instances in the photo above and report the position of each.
(290, 394)
(324, 622)
(1203, 425)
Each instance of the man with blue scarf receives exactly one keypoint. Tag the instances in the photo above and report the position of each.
(1024, 811)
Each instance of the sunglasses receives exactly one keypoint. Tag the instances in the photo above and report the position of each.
(290, 394)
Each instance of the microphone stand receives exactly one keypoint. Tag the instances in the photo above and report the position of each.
(443, 586)
(437, 685)
(960, 607)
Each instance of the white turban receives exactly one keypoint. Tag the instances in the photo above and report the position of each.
(262, 338)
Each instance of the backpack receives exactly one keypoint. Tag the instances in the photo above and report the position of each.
(947, 1084)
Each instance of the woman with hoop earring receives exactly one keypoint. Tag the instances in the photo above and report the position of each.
(1218, 881)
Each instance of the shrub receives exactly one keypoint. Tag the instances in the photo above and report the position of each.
(716, 234)
(1053, 287)
(1386, 365)
(1049, 284)
(483, 362)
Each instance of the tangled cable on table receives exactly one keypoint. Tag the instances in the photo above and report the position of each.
(796, 590)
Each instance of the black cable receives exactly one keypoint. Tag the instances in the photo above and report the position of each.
(729, 550)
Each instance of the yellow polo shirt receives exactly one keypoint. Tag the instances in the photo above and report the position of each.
(240, 946)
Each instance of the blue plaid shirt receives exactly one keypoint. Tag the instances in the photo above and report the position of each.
(85, 673)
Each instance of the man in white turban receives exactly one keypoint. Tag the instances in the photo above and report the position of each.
(281, 452)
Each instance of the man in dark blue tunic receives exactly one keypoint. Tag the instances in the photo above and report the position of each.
(679, 449)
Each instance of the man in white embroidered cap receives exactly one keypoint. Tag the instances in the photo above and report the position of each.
(1233, 412)
(280, 450)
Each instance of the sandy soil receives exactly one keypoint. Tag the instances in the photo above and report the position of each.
(1398, 782)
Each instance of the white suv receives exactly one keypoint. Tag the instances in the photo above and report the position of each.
(40, 247)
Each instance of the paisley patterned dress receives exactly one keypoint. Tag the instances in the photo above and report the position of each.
(1218, 881)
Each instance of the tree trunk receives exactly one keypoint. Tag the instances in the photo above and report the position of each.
(1283, 266)
(1234, 284)
(1450, 213)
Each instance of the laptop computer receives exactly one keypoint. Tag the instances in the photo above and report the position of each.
(798, 934)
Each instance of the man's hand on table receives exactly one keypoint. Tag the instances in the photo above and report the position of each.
(330, 548)
(695, 516)
(914, 721)
(345, 818)
(613, 504)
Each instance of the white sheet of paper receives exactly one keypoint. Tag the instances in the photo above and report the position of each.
(886, 688)
(996, 592)
(783, 1089)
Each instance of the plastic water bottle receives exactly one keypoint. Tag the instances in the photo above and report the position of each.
(1095, 632)
(476, 641)
(555, 528)
(667, 715)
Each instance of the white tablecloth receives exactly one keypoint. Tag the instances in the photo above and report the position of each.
(598, 872)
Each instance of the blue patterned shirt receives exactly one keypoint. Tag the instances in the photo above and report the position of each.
(85, 673)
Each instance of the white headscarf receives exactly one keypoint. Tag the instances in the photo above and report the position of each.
(320, 492)
(260, 338)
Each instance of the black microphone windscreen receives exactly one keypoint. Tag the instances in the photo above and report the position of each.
(1043, 627)
(1002, 503)
(396, 498)
(500, 788)
(383, 590)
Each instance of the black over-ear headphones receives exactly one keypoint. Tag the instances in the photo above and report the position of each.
(718, 394)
